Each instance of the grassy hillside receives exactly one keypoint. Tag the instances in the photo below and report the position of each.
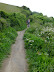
(39, 38)
(39, 43)
(14, 9)
(16, 16)
(7, 37)
(12, 18)
(9, 8)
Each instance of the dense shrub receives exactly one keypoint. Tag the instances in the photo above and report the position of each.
(37, 54)
(39, 44)
(3, 14)
(14, 20)
(26, 12)
(3, 23)
(33, 42)
(31, 29)
(26, 8)
(18, 21)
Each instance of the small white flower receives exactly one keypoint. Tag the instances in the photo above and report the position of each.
(45, 40)
(32, 40)
(30, 44)
(8, 32)
(46, 54)
(48, 37)
(29, 40)
(39, 54)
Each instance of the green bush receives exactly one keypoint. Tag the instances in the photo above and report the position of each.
(26, 12)
(3, 14)
(39, 45)
(33, 42)
(26, 8)
(18, 21)
(3, 23)
(13, 19)
(39, 62)
(38, 56)
(31, 29)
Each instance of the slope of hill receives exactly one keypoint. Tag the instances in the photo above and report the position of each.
(12, 18)
(9, 8)
(39, 43)
(39, 38)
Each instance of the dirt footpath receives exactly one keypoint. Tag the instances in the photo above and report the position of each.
(16, 62)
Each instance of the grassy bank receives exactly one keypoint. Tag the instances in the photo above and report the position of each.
(7, 37)
(12, 19)
(39, 44)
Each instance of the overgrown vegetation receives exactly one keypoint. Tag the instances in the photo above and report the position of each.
(15, 20)
(9, 8)
(39, 43)
(7, 37)
(39, 38)
(11, 20)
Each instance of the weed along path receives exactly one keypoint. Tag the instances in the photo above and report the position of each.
(17, 61)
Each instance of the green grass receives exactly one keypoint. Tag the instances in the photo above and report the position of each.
(12, 20)
(39, 53)
(39, 38)
(39, 62)
(39, 44)
(15, 20)
(15, 16)
(9, 8)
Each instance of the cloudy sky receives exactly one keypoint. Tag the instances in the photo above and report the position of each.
(44, 6)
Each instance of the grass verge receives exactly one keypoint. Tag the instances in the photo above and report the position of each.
(7, 37)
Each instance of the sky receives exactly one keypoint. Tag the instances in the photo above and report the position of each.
(42, 6)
